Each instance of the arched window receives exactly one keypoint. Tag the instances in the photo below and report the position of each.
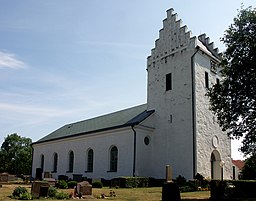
(113, 159)
(55, 162)
(90, 160)
(71, 161)
(42, 162)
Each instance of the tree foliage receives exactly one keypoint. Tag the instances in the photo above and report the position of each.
(249, 169)
(16, 155)
(234, 99)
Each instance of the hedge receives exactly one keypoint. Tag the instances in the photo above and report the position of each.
(130, 182)
(228, 189)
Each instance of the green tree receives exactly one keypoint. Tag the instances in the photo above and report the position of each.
(233, 100)
(249, 169)
(16, 155)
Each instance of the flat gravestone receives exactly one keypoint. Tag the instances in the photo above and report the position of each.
(51, 181)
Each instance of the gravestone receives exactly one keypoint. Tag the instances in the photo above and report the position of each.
(51, 181)
(78, 177)
(84, 188)
(4, 177)
(40, 189)
(47, 175)
(63, 177)
(168, 172)
(170, 190)
(39, 174)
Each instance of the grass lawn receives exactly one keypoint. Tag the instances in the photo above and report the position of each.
(135, 194)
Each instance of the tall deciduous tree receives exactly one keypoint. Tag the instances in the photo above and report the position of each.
(234, 99)
(249, 169)
(16, 155)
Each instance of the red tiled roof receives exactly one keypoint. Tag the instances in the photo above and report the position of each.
(238, 163)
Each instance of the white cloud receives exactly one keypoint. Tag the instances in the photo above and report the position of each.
(8, 60)
(33, 110)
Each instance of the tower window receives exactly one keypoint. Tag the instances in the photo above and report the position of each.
(206, 77)
(168, 81)
(217, 81)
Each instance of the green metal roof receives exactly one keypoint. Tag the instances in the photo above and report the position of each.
(123, 118)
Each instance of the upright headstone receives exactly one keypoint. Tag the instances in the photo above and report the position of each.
(168, 170)
(77, 177)
(47, 175)
(170, 189)
(39, 173)
(84, 188)
(4, 177)
(39, 189)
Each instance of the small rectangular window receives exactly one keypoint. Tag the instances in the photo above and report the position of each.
(168, 81)
(206, 77)
(217, 81)
(214, 67)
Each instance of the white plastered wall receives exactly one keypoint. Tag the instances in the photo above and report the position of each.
(99, 142)
(209, 135)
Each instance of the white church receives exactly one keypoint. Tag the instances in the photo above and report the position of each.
(175, 127)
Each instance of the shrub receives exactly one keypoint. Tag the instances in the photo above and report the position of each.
(181, 181)
(156, 182)
(199, 177)
(18, 191)
(130, 182)
(205, 183)
(63, 177)
(184, 189)
(52, 191)
(218, 189)
(192, 185)
(62, 184)
(25, 196)
(242, 188)
(97, 184)
(72, 184)
(106, 182)
(61, 196)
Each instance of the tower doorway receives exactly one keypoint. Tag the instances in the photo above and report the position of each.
(216, 169)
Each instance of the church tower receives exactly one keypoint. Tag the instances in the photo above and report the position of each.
(180, 70)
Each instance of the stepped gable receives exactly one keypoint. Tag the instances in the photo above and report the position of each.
(173, 37)
(209, 45)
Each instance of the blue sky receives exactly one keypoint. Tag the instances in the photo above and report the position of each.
(63, 61)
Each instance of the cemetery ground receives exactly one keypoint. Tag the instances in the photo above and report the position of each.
(122, 194)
